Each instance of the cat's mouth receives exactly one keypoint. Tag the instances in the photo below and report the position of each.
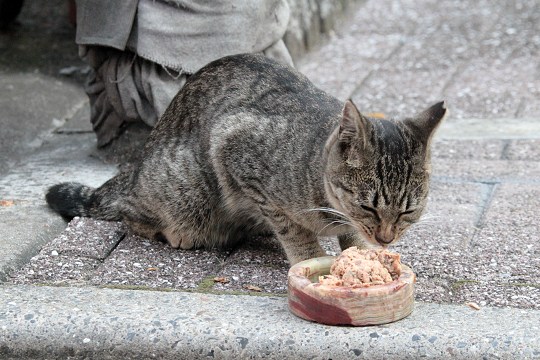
(371, 238)
(375, 238)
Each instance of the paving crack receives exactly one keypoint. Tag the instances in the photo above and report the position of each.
(488, 192)
(505, 149)
(121, 237)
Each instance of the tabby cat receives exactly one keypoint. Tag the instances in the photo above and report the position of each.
(250, 146)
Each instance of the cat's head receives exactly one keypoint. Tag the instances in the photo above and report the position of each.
(378, 170)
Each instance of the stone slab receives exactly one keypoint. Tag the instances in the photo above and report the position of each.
(494, 87)
(61, 158)
(389, 17)
(26, 223)
(311, 20)
(476, 56)
(354, 54)
(492, 128)
(487, 171)
(61, 322)
(257, 265)
(51, 268)
(498, 266)
(499, 294)
(260, 265)
(514, 206)
(515, 33)
(72, 256)
(31, 107)
(151, 264)
(488, 149)
(79, 122)
(401, 93)
(454, 24)
(24, 230)
(435, 247)
(528, 107)
(89, 238)
(528, 150)
(509, 236)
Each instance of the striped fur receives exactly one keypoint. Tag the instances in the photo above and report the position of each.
(250, 146)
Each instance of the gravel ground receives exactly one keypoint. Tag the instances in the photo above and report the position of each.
(479, 241)
(397, 57)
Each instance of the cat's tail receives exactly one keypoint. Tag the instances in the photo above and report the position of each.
(72, 199)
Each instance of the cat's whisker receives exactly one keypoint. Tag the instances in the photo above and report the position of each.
(429, 216)
(333, 222)
(428, 219)
(423, 224)
(329, 211)
(340, 222)
(420, 226)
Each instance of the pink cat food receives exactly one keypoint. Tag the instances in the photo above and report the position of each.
(362, 268)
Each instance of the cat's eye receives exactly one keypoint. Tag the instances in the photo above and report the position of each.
(407, 212)
(371, 210)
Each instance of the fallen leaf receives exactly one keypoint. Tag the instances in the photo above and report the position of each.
(252, 288)
(473, 305)
(376, 115)
(221, 279)
(7, 203)
(152, 269)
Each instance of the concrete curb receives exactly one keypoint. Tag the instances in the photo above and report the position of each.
(54, 322)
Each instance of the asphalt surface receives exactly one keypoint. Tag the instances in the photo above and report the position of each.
(478, 243)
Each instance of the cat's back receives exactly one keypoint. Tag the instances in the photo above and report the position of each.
(247, 83)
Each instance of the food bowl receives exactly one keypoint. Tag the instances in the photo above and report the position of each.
(344, 305)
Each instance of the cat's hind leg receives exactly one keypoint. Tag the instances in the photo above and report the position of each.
(178, 240)
(168, 235)
(147, 231)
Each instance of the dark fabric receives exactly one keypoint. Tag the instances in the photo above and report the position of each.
(142, 51)
(124, 88)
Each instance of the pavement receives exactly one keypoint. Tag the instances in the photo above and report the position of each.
(93, 290)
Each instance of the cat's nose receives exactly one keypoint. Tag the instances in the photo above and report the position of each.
(384, 238)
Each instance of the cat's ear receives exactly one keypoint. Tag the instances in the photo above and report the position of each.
(425, 123)
(353, 125)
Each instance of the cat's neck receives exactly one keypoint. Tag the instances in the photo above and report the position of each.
(329, 147)
(331, 142)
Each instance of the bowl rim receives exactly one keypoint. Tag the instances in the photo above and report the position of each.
(299, 277)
